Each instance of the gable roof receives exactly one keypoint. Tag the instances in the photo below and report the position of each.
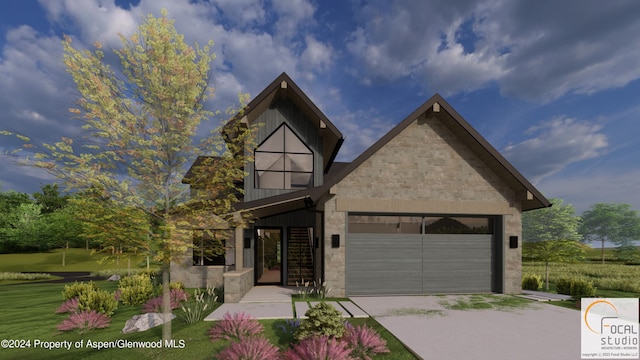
(530, 197)
(283, 88)
(526, 193)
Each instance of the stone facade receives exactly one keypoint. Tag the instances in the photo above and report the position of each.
(197, 276)
(424, 169)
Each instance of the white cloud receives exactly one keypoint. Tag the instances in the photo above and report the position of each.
(95, 19)
(534, 50)
(316, 57)
(292, 14)
(242, 12)
(598, 186)
(362, 129)
(556, 144)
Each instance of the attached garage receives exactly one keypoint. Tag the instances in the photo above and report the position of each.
(401, 254)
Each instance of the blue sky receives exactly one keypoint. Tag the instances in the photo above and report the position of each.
(552, 85)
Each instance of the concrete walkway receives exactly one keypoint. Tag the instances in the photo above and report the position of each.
(543, 296)
(274, 302)
(433, 331)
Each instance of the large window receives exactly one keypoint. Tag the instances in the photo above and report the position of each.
(283, 161)
(209, 247)
(394, 224)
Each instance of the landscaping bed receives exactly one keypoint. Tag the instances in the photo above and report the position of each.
(29, 316)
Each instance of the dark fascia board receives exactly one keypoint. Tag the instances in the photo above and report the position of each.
(275, 86)
(540, 199)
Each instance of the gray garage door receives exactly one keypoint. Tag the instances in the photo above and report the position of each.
(418, 264)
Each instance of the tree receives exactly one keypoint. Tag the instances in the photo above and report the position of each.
(140, 123)
(551, 235)
(610, 222)
(13, 206)
(50, 198)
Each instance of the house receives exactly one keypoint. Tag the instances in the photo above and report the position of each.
(430, 208)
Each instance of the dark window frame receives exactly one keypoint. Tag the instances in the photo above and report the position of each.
(284, 153)
(199, 257)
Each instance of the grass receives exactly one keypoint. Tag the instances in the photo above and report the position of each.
(487, 301)
(76, 260)
(28, 314)
(615, 277)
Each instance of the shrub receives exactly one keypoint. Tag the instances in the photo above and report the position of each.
(364, 342)
(582, 288)
(235, 327)
(176, 298)
(563, 286)
(69, 306)
(318, 348)
(531, 282)
(78, 288)
(20, 276)
(290, 326)
(99, 300)
(322, 319)
(84, 321)
(252, 348)
(195, 309)
(135, 289)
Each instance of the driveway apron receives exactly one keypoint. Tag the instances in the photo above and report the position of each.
(434, 331)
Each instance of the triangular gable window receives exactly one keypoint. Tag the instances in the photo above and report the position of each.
(283, 161)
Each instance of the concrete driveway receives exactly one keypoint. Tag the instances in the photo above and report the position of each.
(432, 330)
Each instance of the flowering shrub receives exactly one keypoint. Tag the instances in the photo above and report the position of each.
(319, 348)
(176, 297)
(69, 306)
(235, 327)
(364, 342)
(250, 348)
(84, 321)
(290, 326)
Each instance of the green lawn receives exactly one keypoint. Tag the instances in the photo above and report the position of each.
(28, 314)
(76, 260)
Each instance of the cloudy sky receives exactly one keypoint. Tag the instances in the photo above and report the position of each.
(553, 85)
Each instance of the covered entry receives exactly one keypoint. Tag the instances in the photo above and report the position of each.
(421, 254)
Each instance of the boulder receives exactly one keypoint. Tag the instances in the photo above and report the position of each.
(145, 322)
(114, 278)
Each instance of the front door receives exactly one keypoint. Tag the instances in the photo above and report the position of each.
(268, 256)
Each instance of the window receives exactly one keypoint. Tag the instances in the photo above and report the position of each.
(399, 224)
(283, 161)
(209, 247)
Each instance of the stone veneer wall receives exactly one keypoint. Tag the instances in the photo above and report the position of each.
(197, 276)
(425, 169)
(237, 284)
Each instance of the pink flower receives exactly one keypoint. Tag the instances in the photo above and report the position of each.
(250, 348)
(364, 342)
(319, 348)
(235, 327)
(69, 306)
(84, 321)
